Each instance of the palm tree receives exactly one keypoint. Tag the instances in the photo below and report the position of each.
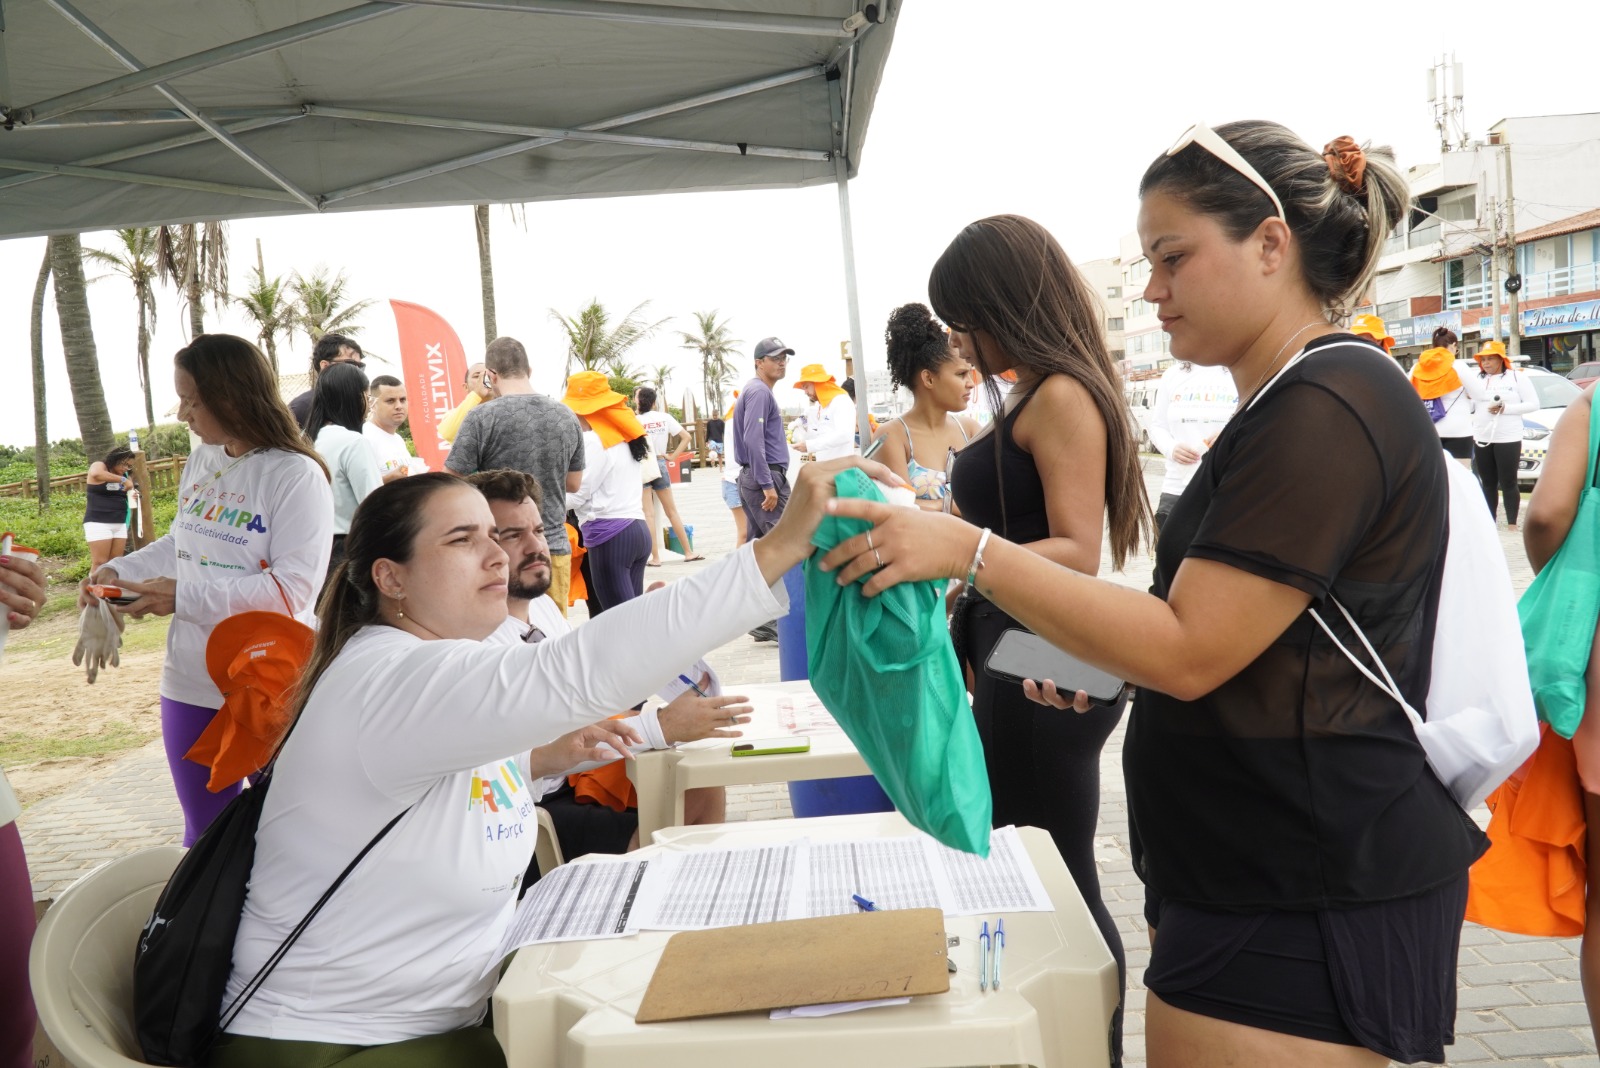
(136, 261)
(41, 429)
(480, 218)
(593, 343)
(658, 379)
(321, 305)
(77, 343)
(269, 307)
(716, 351)
(196, 256)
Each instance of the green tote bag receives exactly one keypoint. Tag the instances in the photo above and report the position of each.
(1561, 607)
(885, 668)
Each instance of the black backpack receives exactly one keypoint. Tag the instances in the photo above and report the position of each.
(185, 953)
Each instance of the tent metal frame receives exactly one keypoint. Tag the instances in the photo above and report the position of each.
(226, 126)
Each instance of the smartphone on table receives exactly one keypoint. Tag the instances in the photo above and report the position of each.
(1021, 654)
(771, 746)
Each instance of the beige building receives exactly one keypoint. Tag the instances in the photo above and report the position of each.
(1105, 278)
(1145, 343)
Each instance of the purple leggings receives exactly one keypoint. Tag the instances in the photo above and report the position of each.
(16, 935)
(181, 724)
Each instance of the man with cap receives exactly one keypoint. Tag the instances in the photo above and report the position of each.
(761, 451)
(828, 429)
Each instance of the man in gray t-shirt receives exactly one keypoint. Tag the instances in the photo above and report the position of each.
(525, 431)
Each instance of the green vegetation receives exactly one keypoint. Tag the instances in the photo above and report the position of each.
(19, 748)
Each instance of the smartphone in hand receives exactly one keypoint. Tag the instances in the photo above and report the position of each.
(1021, 654)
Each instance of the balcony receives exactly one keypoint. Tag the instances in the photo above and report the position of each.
(1421, 237)
(1584, 278)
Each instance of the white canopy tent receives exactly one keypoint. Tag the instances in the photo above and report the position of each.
(119, 113)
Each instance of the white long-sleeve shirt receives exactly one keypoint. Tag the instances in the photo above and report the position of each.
(829, 432)
(1515, 391)
(270, 506)
(353, 466)
(406, 946)
(612, 486)
(1192, 406)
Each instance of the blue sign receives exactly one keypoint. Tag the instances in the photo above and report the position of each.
(1561, 319)
(1419, 329)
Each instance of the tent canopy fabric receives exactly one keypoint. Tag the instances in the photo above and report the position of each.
(119, 113)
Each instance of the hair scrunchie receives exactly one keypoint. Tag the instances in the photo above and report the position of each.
(1347, 163)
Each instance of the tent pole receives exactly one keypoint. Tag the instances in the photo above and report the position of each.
(135, 178)
(841, 177)
(660, 15)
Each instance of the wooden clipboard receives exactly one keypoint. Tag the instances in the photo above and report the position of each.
(856, 957)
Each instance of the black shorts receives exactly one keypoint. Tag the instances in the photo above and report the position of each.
(1379, 976)
(1460, 448)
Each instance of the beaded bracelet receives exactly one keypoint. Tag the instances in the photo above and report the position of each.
(977, 560)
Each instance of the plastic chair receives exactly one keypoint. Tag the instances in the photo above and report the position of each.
(81, 964)
(546, 846)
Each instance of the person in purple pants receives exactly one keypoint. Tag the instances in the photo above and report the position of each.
(22, 594)
(253, 532)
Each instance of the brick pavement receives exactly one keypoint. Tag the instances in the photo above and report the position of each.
(1521, 1003)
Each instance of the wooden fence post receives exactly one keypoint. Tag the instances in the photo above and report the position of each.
(141, 482)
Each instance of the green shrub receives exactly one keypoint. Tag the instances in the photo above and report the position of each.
(58, 531)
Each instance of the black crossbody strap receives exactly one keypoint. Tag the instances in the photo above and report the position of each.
(260, 977)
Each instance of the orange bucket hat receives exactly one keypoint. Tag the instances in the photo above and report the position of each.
(1492, 348)
(827, 388)
(1373, 327)
(1435, 374)
(256, 659)
(589, 393)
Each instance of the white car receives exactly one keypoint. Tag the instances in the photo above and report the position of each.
(1554, 393)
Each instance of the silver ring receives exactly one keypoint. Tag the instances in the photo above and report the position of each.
(869, 541)
(876, 557)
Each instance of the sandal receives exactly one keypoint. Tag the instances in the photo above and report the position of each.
(691, 559)
(652, 563)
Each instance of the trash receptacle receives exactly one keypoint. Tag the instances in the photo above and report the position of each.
(671, 540)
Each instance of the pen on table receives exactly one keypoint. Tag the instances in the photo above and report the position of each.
(863, 904)
(687, 681)
(983, 957)
(999, 950)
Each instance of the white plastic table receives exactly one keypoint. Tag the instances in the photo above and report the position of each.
(572, 1004)
(661, 776)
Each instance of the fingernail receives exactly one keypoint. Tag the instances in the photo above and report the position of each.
(5, 559)
(833, 505)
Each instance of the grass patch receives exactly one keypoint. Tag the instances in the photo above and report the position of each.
(26, 749)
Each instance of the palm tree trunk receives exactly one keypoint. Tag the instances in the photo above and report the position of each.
(146, 300)
(480, 214)
(191, 289)
(77, 343)
(41, 430)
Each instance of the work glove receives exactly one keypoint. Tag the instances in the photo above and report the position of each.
(99, 638)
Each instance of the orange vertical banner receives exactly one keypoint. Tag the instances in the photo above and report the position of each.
(434, 367)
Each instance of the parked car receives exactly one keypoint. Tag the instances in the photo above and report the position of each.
(1583, 374)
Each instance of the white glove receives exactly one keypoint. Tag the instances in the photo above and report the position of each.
(99, 638)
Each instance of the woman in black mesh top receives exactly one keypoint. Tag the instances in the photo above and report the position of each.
(1306, 870)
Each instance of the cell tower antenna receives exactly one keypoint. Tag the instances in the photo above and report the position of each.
(1446, 88)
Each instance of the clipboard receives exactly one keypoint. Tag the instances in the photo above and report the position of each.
(763, 966)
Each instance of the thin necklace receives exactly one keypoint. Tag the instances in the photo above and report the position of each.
(1274, 363)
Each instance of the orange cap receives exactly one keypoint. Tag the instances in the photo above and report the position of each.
(1373, 327)
(1435, 374)
(256, 659)
(590, 391)
(1492, 348)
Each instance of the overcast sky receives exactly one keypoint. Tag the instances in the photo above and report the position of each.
(1046, 109)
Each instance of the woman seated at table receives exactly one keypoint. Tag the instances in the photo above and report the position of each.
(405, 709)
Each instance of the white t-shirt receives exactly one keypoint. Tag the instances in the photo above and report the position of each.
(390, 449)
(1192, 406)
(660, 428)
(233, 513)
(400, 950)
(1515, 391)
(612, 486)
(353, 468)
(829, 432)
(1457, 419)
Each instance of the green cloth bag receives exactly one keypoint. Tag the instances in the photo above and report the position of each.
(1560, 609)
(885, 668)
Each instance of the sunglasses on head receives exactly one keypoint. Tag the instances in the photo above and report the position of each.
(1208, 139)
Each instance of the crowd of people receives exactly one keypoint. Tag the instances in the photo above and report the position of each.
(1276, 799)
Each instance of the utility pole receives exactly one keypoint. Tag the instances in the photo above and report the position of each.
(1494, 270)
(1513, 278)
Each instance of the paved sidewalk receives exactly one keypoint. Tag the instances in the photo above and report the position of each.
(1520, 1000)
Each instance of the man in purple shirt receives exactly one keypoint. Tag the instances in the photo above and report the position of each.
(761, 450)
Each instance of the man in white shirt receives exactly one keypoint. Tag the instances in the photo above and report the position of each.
(828, 429)
(1193, 404)
(387, 401)
(584, 827)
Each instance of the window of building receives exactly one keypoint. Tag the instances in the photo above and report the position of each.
(1395, 309)
(1138, 307)
(1114, 323)
(1113, 292)
(1138, 270)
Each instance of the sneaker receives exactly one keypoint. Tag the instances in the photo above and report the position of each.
(767, 632)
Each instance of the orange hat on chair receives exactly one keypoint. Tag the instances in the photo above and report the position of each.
(1435, 374)
(256, 659)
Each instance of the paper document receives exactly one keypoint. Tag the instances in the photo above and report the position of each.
(721, 888)
(676, 687)
(1005, 880)
(805, 1011)
(805, 714)
(580, 900)
(892, 873)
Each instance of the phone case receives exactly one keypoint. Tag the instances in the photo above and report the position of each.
(772, 746)
(990, 669)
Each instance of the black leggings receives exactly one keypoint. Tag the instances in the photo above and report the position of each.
(1044, 771)
(1496, 465)
(617, 565)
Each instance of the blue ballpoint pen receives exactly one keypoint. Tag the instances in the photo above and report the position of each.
(999, 950)
(687, 681)
(983, 957)
(863, 904)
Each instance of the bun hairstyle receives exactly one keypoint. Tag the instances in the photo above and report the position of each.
(917, 342)
(1340, 204)
(1444, 337)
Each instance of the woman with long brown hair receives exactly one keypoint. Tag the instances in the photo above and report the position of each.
(253, 530)
(1057, 461)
